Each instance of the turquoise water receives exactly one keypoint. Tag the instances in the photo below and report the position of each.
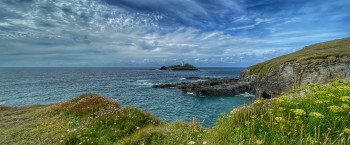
(129, 86)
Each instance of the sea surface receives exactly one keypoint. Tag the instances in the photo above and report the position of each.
(129, 86)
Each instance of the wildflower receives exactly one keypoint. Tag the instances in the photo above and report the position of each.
(299, 112)
(347, 131)
(316, 115)
(258, 102)
(283, 97)
(345, 106)
(258, 142)
(281, 109)
(204, 142)
(277, 100)
(191, 142)
(137, 128)
(335, 108)
(345, 99)
(279, 119)
(234, 111)
(270, 111)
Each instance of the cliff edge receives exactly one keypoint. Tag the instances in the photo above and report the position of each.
(313, 64)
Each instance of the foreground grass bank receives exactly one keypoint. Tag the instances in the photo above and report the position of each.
(316, 114)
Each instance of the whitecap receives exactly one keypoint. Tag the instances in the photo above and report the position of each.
(144, 83)
(248, 95)
(2, 102)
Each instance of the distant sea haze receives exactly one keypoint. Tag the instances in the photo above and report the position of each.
(129, 86)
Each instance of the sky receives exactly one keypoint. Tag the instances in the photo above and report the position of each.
(134, 33)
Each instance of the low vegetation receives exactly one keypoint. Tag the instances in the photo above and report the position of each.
(316, 114)
(335, 48)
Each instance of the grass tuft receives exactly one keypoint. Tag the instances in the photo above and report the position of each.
(83, 105)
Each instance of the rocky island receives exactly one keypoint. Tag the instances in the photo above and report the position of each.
(315, 64)
(182, 67)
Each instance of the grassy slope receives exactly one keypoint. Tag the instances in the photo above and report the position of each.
(316, 114)
(339, 47)
(87, 119)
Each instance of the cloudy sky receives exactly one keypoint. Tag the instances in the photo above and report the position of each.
(230, 33)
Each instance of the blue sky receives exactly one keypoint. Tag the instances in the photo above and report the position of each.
(230, 33)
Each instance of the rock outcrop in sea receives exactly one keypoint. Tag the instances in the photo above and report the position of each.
(182, 67)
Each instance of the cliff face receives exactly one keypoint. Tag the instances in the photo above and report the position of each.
(295, 74)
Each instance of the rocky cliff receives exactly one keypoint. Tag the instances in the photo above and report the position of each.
(314, 64)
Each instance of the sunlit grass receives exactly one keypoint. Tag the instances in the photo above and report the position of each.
(335, 48)
(316, 114)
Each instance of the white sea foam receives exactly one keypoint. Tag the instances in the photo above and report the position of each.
(144, 83)
(248, 95)
(2, 103)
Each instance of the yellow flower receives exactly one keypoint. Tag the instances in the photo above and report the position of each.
(259, 142)
(345, 106)
(234, 111)
(276, 100)
(345, 99)
(279, 119)
(281, 109)
(335, 108)
(299, 112)
(316, 115)
(283, 97)
(347, 131)
(258, 102)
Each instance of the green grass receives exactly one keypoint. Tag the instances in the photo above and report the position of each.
(316, 114)
(335, 48)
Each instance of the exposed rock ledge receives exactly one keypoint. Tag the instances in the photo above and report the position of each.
(211, 87)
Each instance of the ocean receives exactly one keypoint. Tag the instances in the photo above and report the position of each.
(128, 86)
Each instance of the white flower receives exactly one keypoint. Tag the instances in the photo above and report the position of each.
(191, 142)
